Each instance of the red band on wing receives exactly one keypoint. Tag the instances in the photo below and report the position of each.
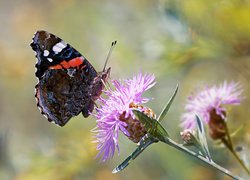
(65, 64)
(75, 62)
(58, 66)
(72, 63)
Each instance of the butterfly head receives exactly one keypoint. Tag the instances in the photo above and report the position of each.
(99, 83)
(105, 75)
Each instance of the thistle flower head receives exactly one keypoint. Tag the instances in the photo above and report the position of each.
(209, 104)
(115, 113)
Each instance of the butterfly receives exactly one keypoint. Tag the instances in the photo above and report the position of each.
(67, 83)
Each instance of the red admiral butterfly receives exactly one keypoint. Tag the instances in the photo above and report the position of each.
(68, 84)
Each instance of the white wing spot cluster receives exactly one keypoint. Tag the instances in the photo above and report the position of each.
(59, 47)
(45, 53)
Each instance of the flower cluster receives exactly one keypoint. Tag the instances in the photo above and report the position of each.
(209, 102)
(115, 113)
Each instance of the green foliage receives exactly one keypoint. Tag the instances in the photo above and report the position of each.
(167, 106)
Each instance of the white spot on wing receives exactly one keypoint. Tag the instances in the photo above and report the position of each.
(62, 44)
(40, 109)
(45, 53)
(33, 36)
(59, 47)
(46, 116)
(50, 60)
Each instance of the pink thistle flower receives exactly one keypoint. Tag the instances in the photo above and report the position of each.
(208, 103)
(115, 113)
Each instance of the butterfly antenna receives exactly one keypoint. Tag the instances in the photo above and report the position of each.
(110, 51)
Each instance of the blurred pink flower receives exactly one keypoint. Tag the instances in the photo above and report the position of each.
(210, 100)
(116, 109)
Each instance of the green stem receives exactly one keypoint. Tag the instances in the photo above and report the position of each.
(228, 143)
(228, 135)
(201, 158)
(239, 160)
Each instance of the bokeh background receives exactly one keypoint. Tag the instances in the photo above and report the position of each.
(189, 42)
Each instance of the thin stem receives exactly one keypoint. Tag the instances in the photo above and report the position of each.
(201, 158)
(240, 161)
(228, 135)
(228, 143)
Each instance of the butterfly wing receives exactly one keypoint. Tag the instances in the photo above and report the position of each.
(60, 96)
(65, 79)
(53, 53)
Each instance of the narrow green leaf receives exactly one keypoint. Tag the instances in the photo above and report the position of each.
(233, 134)
(202, 137)
(142, 146)
(167, 106)
(152, 125)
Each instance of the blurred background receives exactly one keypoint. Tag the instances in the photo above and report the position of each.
(189, 42)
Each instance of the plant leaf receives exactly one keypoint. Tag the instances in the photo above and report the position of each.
(202, 137)
(167, 106)
(152, 125)
(144, 143)
(234, 133)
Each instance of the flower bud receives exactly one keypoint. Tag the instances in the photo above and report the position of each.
(188, 136)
